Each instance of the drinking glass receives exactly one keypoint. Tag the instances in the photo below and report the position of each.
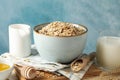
(108, 50)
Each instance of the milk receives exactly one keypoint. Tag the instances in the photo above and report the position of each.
(19, 40)
(108, 52)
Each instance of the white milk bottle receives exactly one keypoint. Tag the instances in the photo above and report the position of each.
(19, 40)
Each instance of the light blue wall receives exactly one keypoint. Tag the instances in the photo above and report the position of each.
(97, 15)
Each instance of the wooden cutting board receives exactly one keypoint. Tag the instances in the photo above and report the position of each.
(94, 73)
(41, 75)
(91, 73)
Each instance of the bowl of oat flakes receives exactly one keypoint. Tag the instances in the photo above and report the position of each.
(60, 41)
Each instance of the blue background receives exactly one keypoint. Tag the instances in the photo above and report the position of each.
(97, 15)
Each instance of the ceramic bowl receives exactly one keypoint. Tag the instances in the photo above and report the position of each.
(5, 73)
(59, 49)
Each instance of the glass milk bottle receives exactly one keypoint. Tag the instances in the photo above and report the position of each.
(108, 50)
(19, 40)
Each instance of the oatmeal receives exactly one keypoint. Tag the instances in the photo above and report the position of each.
(61, 29)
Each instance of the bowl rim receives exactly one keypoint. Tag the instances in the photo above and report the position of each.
(34, 29)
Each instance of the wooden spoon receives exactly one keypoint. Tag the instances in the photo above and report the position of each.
(80, 63)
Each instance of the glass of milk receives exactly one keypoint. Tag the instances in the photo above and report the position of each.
(108, 50)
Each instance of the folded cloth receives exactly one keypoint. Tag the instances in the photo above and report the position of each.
(40, 64)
